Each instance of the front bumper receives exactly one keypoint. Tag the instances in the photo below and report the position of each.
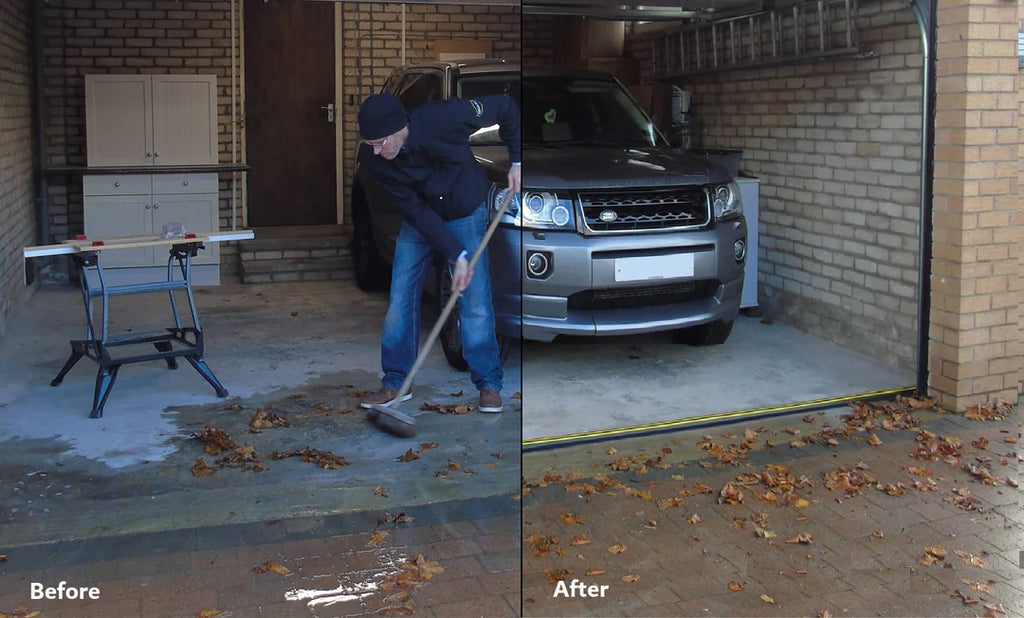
(560, 303)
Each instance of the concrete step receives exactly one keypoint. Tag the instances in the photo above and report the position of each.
(279, 244)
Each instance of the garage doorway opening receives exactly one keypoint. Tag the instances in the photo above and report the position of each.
(836, 144)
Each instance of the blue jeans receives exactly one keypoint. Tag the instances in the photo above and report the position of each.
(400, 337)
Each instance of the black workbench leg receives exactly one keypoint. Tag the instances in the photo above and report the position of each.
(165, 346)
(201, 366)
(104, 382)
(77, 351)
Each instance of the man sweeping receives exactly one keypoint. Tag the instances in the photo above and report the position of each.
(424, 162)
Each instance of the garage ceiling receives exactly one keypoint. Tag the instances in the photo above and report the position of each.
(655, 10)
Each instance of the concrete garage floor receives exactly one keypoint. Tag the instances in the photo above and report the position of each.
(302, 351)
(580, 385)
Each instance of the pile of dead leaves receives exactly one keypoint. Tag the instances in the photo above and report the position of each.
(458, 409)
(264, 419)
(997, 412)
(19, 612)
(640, 464)
(323, 459)
(412, 573)
(848, 480)
(728, 453)
(215, 441)
(542, 544)
(962, 498)
(932, 447)
(243, 457)
(886, 415)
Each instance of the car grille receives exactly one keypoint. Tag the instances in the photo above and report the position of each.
(643, 296)
(683, 207)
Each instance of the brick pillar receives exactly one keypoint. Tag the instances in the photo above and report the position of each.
(975, 352)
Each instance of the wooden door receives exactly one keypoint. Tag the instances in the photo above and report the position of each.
(289, 77)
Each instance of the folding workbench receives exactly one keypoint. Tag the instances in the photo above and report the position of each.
(170, 343)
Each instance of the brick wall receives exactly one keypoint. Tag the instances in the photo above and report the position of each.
(17, 214)
(836, 146)
(373, 46)
(124, 36)
(539, 30)
(979, 224)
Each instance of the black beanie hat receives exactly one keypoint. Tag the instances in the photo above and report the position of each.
(381, 115)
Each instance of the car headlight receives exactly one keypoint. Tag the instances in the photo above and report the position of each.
(537, 210)
(726, 200)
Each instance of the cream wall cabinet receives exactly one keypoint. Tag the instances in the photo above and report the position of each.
(150, 120)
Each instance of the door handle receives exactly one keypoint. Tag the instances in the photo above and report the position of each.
(330, 111)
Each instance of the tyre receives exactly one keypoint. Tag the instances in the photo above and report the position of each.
(373, 274)
(713, 333)
(451, 333)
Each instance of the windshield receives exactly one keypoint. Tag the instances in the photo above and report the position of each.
(472, 86)
(566, 110)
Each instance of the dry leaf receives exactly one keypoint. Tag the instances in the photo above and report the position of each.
(735, 586)
(377, 538)
(802, 503)
(652, 524)
(618, 548)
(206, 613)
(874, 440)
(967, 600)
(409, 456)
(264, 419)
(767, 599)
(803, 538)
(878, 534)
(595, 571)
(201, 469)
(380, 490)
(579, 539)
(570, 519)
(612, 450)
(556, 575)
(632, 577)
(278, 568)
(970, 559)
(761, 533)
(694, 519)
(426, 446)
(936, 550)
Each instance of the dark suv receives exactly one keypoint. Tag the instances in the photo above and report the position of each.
(615, 232)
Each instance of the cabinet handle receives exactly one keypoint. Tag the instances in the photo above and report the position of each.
(156, 154)
(147, 206)
(149, 154)
(155, 206)
(117, 184)
(185, 182)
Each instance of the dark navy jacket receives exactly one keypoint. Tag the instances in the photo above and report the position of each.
(435, 178)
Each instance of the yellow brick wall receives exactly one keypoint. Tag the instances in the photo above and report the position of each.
(977, 286)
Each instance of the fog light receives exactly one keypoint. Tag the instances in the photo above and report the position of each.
(538, 264)
(739, 249)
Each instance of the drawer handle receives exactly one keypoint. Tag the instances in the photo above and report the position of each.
(147, 206)
(149, 154)
(185, 183)
(155, 206)
(117, 184)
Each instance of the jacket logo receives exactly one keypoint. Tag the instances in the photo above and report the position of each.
(477, 107)
(607, 216)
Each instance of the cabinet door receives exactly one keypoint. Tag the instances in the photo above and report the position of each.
(185, 119)
(118, 120)
(110, 216)
(197, 212)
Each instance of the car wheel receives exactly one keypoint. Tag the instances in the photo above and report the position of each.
(713, 333)
(372, 272)
(451, 332)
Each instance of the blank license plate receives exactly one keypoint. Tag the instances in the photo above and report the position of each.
(654, 267)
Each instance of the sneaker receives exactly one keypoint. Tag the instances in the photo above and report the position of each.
(490, 400)
(385, 396)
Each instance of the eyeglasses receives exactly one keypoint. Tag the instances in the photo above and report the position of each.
(377, 143)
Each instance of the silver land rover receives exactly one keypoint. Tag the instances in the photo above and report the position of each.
(620, 232)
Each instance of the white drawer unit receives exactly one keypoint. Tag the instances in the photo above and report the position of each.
(140, 205)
